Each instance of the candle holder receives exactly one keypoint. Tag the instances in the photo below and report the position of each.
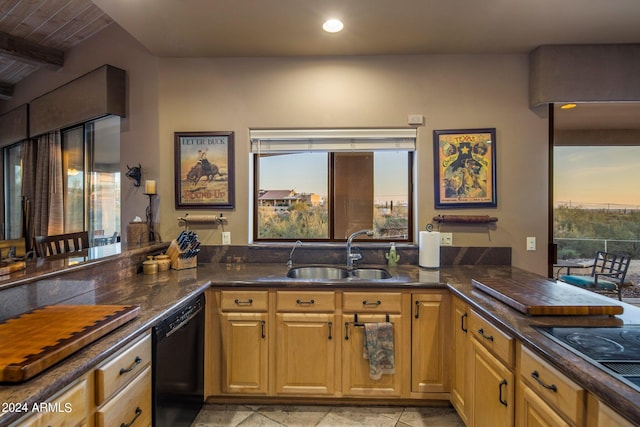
(152, 233)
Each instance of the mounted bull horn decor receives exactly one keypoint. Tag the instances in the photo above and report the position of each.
(135, 173)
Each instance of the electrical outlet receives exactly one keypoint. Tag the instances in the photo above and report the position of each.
(531, 243)
(446, 239)
(226, 237)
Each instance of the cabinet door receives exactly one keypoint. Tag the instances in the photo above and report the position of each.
(244, 353)
(356, 378)
(460, 367)
(535, 412)
(305, 353)
(493, 389)
(429, 355)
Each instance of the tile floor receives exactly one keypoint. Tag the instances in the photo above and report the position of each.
(325, 416)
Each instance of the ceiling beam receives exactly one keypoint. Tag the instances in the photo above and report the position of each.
(29, 52)
(6, 91)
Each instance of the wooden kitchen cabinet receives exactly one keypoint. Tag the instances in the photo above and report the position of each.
(245, 351)
(306, 356)
(492, 380)
(244, 322)
(461, 358)
(363, 307)
(430, 345)
(602, 415)
(123, 386)
(547, 396)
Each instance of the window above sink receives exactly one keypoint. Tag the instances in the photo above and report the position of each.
(321, 185)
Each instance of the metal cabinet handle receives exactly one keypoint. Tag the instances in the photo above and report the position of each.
(502, 383)
(262, 327)
(536, 376)
(135, 363)
(330, 330)
(365, 302)
(240, 302)
(346, 330)
(486, 337)
(138, 413)
(301, 302)
(462, 322)
(417, 309)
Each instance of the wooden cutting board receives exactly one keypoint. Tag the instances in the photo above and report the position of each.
(36, 340)
(541, 297)
(10, 267)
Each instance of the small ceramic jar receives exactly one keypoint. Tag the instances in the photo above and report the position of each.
(164, 262)
(150, 266)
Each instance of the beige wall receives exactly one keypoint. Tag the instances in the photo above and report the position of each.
(236, 94)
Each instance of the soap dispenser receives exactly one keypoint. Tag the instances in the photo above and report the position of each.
(392, 256)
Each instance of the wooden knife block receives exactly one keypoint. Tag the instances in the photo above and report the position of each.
(178, 263)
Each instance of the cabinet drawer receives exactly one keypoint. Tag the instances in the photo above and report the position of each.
(499, 343)
(552, 386)
(307, 301)
(66, 410)
(132, 406)
(118, 371)
(244, 300)
(372, 302)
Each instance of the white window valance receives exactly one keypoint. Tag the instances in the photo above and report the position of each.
(296, 140)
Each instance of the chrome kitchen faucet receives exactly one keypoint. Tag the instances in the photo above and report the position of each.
(355, 257)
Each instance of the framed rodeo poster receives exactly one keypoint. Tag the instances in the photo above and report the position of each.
(465, 168)
(204, 170)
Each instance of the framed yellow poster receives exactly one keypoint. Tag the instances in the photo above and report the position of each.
(465, 168)
(204, 170)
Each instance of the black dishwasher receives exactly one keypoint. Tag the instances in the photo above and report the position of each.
(178, 365)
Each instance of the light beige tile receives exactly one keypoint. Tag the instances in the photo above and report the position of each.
(347, 416)
(221, 415)
(430, 416)
(298, 415)
(259, 420)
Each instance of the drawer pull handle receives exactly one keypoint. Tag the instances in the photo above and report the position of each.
(330, 330)
(417, 310)
(240, 302)
(135, 363)
(346, 330)
(486, 337)
(536, 376)
(365, 302)
(502, 383)
(462, 322)
(138, 413)
(301, 302)
(262, 327)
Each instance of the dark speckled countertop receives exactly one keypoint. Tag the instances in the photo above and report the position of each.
(159, 294)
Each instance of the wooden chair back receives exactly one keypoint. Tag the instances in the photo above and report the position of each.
(46, 246)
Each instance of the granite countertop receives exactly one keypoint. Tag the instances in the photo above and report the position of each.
(159, 294)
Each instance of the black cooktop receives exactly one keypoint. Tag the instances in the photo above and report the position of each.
(615, 349)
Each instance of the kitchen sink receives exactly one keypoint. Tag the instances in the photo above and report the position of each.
(318, 272)
(371, 273)
(337, 273)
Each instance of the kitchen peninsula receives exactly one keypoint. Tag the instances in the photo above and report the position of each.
(88, 284)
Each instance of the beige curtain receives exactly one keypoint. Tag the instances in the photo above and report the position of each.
(43, 185)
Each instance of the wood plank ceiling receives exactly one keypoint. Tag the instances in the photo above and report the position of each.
(36, 33)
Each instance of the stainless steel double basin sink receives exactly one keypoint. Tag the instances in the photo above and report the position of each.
(322, 272)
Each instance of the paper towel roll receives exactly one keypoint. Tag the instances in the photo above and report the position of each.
(429, 249)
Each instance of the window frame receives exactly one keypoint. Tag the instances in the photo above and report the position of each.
(330, 203)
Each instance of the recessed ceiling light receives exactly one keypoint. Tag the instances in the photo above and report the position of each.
(333, 26)
(568, 106)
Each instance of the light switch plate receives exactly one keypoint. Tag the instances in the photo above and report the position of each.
(226, 237)
(531, 243)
